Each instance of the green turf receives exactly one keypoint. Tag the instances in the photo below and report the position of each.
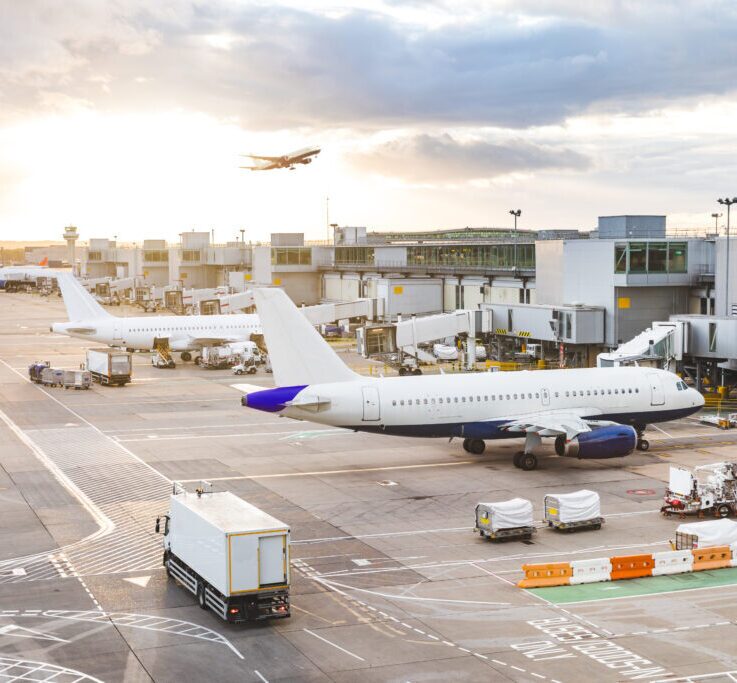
(634, 587)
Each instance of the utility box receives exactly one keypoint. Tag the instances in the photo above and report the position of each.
(231, 555)
(110, 366)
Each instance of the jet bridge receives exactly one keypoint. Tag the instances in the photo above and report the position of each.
(405, 336)
(663, 345)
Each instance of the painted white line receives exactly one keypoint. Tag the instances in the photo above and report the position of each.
(338, 647)
(496, 661)
(187, 437)
(260, 675)
(346, 471)
(661, 430)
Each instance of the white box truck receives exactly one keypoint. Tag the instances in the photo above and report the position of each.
(231, 555)
(110, 366)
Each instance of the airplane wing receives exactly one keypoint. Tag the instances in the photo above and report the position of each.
(260, 158)
(268, 167)
(555, 423)
(215, 341)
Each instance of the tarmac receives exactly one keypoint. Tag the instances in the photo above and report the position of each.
(390, 582)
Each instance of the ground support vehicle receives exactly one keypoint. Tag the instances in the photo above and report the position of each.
(707, 490)
(573, 511)
(245, 368)
(217, 357)
(721, 421)
(110, 366)
(77, 379)
(232, 556)
(505, 520)
(35, 370)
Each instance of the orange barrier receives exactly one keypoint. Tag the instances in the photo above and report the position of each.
(632, 566)
(717, 557)
(541, 575)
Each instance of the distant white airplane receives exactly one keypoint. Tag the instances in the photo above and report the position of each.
(301, 156)
(185, 334)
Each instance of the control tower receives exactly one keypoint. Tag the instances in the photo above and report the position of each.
(71, 235)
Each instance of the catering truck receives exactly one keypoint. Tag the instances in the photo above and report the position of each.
(110, 366)
(232, 556)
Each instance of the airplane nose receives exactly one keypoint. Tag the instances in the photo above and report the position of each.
(699, 400)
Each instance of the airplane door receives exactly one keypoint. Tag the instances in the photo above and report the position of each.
(371, 411)
(657, 395)
(545, 396)
(117, 336)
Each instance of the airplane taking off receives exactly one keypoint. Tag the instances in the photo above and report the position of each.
(89, 320)
(592, 413)
(301, 156)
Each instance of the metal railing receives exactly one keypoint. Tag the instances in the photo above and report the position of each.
(476, 266)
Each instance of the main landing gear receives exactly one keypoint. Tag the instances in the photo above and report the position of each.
(526, 460)
(186, 356)
(475, 446)
(642, 443)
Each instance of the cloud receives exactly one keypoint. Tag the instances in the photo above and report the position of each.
(273, 66)
(442, 158)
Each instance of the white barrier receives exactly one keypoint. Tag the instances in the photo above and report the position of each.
(672, 562)
(591, 571)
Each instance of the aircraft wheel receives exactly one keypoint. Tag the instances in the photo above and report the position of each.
(527, 462)
(171, 364)
(723, 511)
(476, 446)
(186, 356)
(560, 445)
(643, 445)
(516, 459)
(417, 371)
(467, 445)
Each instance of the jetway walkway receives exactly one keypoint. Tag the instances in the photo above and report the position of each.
(322, 314)
(661, 345)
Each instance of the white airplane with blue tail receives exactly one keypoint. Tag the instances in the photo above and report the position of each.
(592, 413)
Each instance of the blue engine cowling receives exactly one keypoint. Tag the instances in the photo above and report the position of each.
(606, 442)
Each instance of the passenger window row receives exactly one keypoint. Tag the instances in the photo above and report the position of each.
(509, 397)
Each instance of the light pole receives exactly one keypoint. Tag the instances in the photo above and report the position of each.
(728, 203)
(516, 215)
(716, 217)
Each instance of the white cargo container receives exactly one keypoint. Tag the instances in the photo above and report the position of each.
(110, 366)
(575, 510)
(231, 555)
(505, 519)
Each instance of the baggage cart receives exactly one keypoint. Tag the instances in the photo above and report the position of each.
(505, 520)
(715, 532)
(35, 370)
(573, 511)
(77, 379)
(52, 377)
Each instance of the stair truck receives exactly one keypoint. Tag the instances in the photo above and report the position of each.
(232, 556)
(110, 366)
(505, 519)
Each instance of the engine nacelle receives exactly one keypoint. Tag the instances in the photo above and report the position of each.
(606, 442)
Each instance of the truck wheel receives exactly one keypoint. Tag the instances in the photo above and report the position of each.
(239, 372)
(723, 511)
(198, 360)
(252, 370)
(201, 595)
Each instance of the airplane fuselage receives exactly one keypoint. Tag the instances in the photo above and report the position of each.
(182, 332)
(478, 405)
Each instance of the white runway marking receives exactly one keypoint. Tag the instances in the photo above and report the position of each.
(188, 437)
(338, 647)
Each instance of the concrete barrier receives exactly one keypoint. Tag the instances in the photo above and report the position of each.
(632, 566)
(542, 575)
(718, 557)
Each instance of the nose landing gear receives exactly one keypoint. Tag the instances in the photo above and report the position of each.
(642, 443)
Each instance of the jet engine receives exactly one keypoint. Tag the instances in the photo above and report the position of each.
(614, 441)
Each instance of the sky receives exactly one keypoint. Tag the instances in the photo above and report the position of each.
(128, 117)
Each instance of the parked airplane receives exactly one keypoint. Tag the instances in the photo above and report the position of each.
(301, 156)
(592, 413)
(89, 320)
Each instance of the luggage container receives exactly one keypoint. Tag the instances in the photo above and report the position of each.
(52, 377)
(715, 532)
(77, 379)
(505, 519)
(232, 556)
(575, 510)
